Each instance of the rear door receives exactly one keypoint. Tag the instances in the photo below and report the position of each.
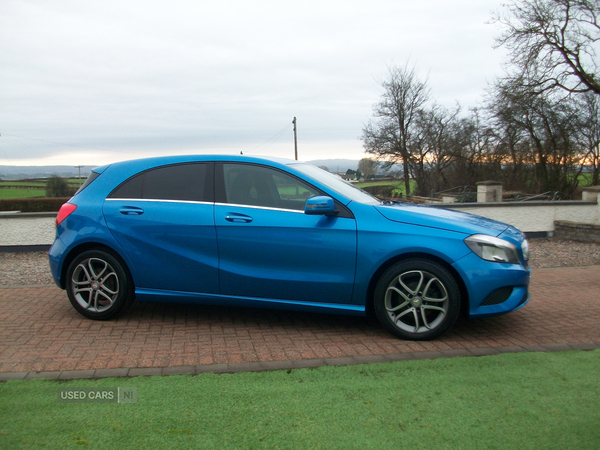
(164, 220)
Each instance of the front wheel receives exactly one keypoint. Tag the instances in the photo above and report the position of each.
(98, 285)
(417, 299)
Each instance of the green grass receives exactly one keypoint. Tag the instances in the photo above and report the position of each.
(524, 401)
(585, 179)
(21, 193)
(30, 188)
(399, 188)
(365, 184)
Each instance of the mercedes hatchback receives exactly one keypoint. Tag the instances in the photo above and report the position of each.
(258, 232)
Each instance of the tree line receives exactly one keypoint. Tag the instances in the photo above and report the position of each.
(538, 128)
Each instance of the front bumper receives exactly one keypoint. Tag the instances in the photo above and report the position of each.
(493, 288)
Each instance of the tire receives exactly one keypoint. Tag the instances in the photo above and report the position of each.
(99, 285)
(417, 300)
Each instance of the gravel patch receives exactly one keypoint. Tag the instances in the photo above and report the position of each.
(24, 269)
(556, 252)
(27, 269)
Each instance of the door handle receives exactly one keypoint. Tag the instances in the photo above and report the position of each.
(131, 211)
(238, 218)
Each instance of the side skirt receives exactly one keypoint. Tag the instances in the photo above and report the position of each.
(154, 295)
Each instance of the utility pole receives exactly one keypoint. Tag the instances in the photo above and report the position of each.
(295, 139)
(79, 167)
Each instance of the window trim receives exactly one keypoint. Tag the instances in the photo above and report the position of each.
(161, 200)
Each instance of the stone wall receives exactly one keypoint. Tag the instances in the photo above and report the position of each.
(535, 217)
(581, 232)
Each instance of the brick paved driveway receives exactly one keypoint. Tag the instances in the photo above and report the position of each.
(40, 331)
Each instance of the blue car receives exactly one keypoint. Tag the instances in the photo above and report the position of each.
(260, 232)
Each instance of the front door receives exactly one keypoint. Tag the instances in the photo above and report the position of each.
(270, 249)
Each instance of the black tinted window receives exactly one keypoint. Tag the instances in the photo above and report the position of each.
(186, 182)
(247, 184)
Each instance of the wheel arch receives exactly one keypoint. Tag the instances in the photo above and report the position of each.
(464, 295)
(84, 247)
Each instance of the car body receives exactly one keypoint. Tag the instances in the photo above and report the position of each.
(262, 232)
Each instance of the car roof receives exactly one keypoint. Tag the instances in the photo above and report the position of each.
(144, 163)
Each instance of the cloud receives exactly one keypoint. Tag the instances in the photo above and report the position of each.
(136, 77)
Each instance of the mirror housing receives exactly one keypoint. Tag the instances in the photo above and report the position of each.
(320, 206)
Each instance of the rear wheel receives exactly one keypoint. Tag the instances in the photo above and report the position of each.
(99, 285)
(417, 299)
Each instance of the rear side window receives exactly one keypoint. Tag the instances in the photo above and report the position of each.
(184, 182)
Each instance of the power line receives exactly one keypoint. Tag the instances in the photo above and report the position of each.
(273, 138)
(51, 142)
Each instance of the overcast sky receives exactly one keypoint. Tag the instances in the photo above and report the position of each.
(92, 82)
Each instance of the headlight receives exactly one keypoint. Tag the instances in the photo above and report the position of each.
(493, 249)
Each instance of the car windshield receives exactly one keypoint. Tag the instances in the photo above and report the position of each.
(337, 184)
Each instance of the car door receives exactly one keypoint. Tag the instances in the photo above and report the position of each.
(164, 220)
(270, 249)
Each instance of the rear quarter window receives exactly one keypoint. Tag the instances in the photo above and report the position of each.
(88, 181)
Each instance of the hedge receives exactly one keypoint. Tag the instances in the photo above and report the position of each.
(48, 204)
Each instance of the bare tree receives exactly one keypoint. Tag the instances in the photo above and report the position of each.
(544, 129)
(432, 145)
(388, 134)
(551, 44)
(589, 132)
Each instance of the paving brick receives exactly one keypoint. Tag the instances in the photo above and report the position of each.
(511, 349)
(144, 371)
(47, 375)
(109, 373)
(428, 355)
(276, 365)
(217, 368)
(42, 336)
(452, 353)
(584, 346)
(178, 370)
(13, 376)
(485, 351)
(73, 374)
(341, 361)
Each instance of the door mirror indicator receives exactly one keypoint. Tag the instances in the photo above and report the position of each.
(320, 205)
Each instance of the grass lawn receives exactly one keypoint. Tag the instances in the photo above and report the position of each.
(21, 193)
(517, 401)
(30, 188)
(399, 189)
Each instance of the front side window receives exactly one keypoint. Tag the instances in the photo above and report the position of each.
(253, 185)
(183, 182)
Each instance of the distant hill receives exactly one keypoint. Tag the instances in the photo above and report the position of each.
(342, 165)
(21, 172)
(336, 165)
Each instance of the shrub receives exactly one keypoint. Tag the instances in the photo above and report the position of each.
(58, 187)
(33, 204)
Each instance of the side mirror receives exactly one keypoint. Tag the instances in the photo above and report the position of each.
(321, 205)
